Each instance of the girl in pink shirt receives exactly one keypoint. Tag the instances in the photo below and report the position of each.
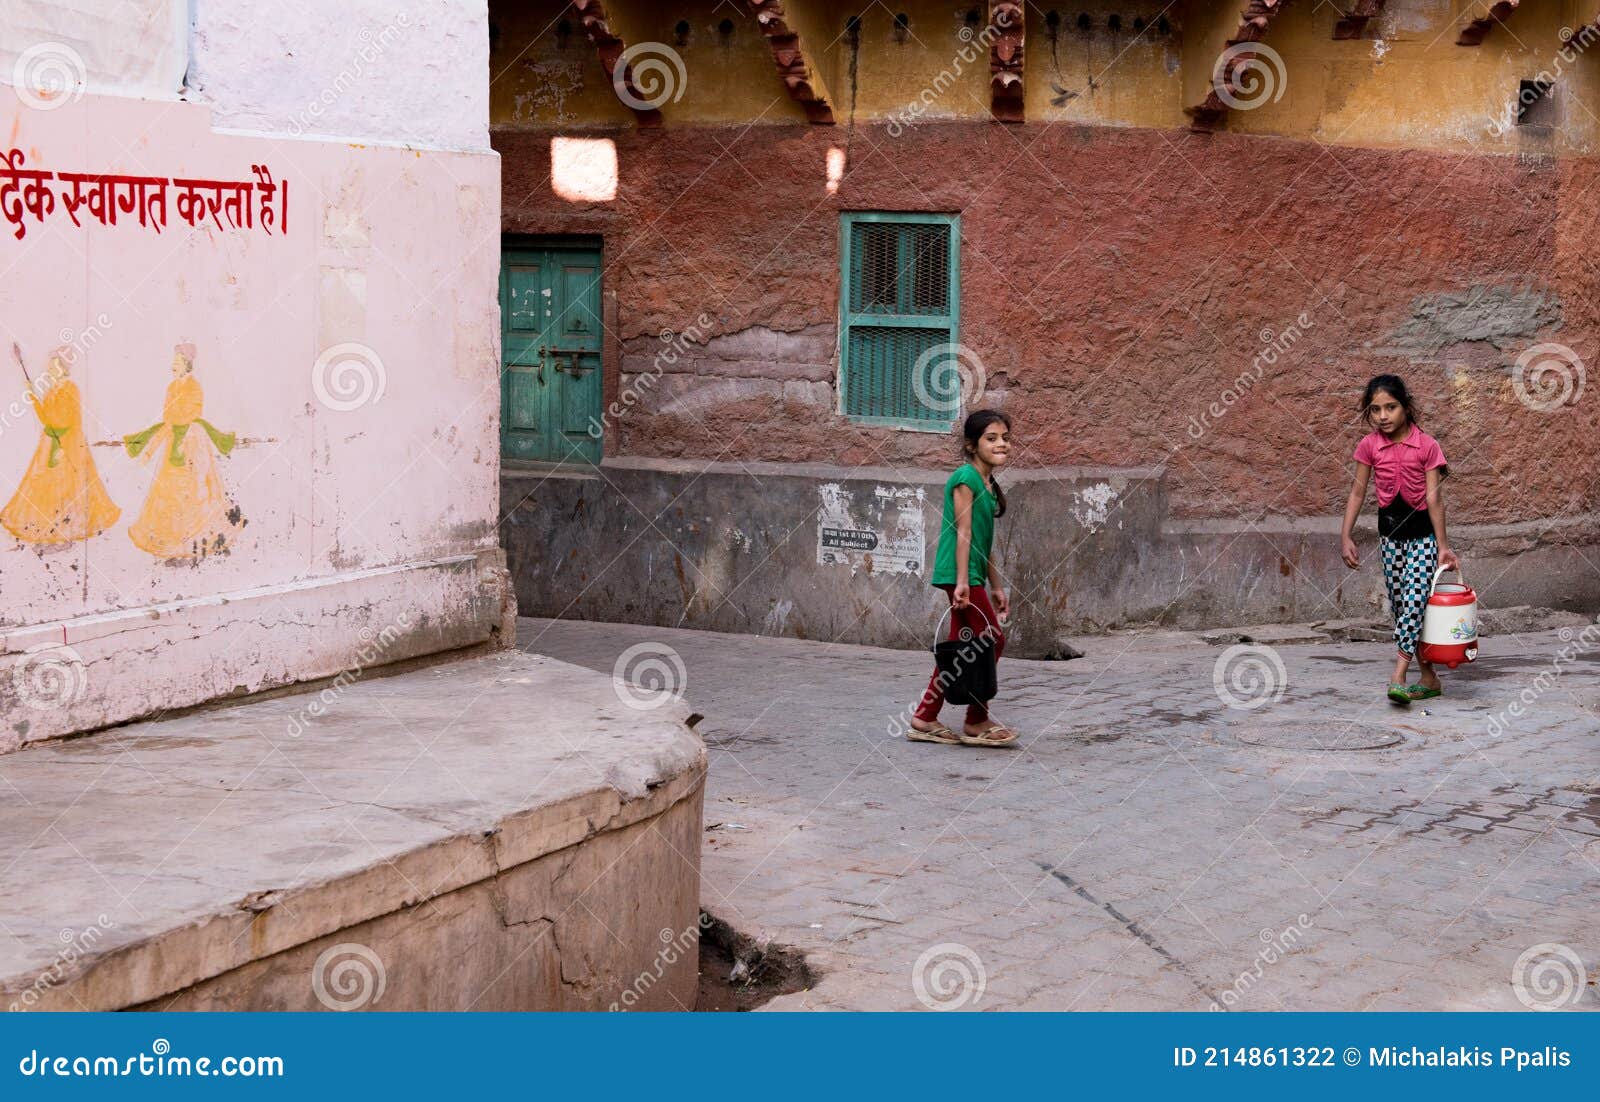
(1407, 466)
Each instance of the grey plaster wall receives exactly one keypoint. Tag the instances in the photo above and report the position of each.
(737, 547)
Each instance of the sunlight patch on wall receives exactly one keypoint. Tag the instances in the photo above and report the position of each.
(584, 170)
(835, 169)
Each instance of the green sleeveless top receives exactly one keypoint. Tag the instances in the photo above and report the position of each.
(983, 506)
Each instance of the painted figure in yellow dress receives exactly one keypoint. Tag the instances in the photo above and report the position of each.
(187, 513)
(61, 498)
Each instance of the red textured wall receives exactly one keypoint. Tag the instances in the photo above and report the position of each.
(1114, 283)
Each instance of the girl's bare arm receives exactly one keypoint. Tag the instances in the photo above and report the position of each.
(962, 497)
(1447, 557)
(1352, 509)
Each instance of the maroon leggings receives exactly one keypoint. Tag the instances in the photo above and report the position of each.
(973, 616)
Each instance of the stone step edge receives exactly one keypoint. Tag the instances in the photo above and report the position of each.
(271, 921)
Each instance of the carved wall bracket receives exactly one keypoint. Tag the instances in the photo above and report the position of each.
(799, 77)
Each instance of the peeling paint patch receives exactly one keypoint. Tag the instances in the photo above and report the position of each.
(344, 228)
(1091, 507)
(555, 81)
(341, 306)
(778, 618)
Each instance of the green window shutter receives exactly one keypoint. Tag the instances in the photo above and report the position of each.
(898, 324)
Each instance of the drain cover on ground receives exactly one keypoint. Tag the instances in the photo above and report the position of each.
(1316, 735)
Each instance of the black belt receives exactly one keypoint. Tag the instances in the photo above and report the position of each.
(1400, 520)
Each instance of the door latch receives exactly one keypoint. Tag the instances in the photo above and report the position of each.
(572, 355)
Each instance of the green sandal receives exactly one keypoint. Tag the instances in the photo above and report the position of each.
(1399, 694)
(1420, 691)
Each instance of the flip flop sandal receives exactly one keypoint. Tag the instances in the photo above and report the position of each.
(986, 738)
(1399, 694)
(1422, 692)
(940, 734)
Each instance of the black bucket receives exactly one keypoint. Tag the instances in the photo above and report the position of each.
(966, 664)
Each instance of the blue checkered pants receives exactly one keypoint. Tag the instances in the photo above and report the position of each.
(1408, 567)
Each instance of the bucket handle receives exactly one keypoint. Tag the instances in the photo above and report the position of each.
(1441, 572)
(949, 611)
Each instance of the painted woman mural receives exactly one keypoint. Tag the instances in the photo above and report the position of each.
(186, 514)
(61, 498)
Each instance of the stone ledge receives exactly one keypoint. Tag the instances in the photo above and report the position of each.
(739, 547)
(69, 676)
(198, 846)
(837, 473)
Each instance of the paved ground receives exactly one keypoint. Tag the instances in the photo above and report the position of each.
(1142, 851)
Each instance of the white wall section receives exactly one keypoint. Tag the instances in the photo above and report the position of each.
(374, 70)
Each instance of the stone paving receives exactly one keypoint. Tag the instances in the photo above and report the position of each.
(1151, 846)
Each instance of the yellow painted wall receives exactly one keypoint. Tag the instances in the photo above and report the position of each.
(1122, 77)
(543, 80)
(932, 64)
(728, 78)
(1406, 85)
(540, 78)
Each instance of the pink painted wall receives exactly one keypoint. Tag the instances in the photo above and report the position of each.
(354, 353)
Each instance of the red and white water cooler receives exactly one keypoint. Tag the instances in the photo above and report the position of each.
(1450, 623)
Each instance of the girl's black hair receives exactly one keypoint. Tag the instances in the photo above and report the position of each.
(1396, 388)
(977, 423)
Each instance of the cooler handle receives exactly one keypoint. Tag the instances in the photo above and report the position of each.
(1441, 572)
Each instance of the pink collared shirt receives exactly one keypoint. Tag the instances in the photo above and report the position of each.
(1401, 467)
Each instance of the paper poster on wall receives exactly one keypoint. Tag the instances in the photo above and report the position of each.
(880, 532)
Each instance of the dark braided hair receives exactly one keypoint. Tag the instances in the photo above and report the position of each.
(978, 422)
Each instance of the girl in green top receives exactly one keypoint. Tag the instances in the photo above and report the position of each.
(963, 569)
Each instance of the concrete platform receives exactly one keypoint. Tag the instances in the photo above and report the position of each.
(500, 833)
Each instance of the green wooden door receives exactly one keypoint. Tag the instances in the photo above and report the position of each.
(550, 353)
